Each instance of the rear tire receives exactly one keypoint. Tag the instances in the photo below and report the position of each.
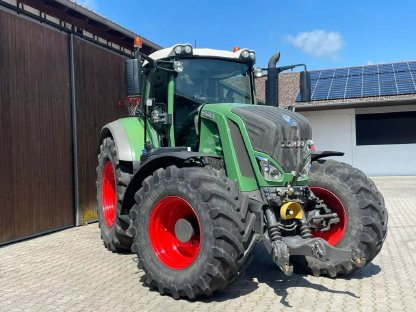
(366, 217)
(111, 186)
(222, 231)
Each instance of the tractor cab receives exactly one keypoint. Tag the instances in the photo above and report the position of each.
(180, 80)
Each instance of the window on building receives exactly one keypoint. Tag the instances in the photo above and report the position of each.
(386, 128)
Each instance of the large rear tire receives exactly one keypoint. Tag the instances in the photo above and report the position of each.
(111, 186)
(363, 217)
(191, 229)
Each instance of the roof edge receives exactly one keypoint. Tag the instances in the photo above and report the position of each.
(343, 105)
(107, 22)
(70, 16)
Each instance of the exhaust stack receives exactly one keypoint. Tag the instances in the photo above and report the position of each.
(272, 82)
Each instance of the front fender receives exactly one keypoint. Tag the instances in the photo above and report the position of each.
(151, 164)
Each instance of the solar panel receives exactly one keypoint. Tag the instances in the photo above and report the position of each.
(363, 81)
(412, 66)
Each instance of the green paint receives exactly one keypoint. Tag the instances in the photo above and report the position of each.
(215, 139)
(210, 138)
(219, 114)
(171, 93)
(134, 127)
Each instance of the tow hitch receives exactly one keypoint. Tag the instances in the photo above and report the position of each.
(310, 247)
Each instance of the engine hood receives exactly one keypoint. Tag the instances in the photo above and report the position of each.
(278, 132)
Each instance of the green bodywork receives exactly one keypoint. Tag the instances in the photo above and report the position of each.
(134, 128)
(214, 139)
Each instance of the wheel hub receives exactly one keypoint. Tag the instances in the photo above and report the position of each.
(175, 232)
(184, 230)
(335, 234)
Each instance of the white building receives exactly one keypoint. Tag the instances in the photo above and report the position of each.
(367, 112)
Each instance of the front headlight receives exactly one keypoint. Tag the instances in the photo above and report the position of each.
(267, 170)
(182, 49)
(245, 54)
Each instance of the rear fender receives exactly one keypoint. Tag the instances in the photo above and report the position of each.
(128, 136)
(321, 154)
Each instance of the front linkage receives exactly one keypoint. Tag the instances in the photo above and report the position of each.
(291, 214)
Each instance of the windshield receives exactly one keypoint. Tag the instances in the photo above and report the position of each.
(214, 81)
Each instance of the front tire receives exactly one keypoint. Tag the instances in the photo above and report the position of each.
(111, 186)
(191, 229)
(363, 217)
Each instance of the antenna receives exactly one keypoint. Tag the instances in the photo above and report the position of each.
(195, 44)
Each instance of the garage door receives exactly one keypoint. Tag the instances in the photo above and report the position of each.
(35, 122)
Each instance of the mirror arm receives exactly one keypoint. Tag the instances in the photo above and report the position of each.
(138, 54)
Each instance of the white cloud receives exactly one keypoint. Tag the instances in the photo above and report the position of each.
(89, 4)
(318, 43)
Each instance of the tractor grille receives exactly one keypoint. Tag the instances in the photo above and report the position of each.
(278, 132)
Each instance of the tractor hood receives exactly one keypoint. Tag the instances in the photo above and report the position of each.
(278, 132)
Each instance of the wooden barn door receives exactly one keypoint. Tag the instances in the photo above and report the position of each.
(36, 186)
(99, 83)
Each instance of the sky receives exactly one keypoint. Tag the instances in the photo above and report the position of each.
(321, 34)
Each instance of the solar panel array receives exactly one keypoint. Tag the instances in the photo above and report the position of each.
(363, 81)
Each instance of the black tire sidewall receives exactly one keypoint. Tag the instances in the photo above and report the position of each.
(366, 218)
(164, 274)
(106, 154)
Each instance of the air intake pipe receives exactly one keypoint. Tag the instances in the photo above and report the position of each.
(272, 82)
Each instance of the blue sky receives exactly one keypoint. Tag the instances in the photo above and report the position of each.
(321, 34)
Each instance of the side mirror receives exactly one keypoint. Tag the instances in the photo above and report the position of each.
(305, 86)
(133, 75)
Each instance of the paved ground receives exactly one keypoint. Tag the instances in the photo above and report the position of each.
(71, 271)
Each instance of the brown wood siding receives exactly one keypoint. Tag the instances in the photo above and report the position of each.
(99, 84)
(36, 187)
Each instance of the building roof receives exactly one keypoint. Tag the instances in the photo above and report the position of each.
(360, 86)
(81, 20)
(288, 88)
(363, 81)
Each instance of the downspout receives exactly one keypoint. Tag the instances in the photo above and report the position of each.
(74, 130)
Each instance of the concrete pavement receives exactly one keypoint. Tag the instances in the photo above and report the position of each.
(72, 271)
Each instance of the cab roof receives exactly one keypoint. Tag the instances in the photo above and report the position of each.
(169, 52)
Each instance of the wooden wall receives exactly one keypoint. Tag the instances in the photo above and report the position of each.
(99, 86)
(36, 135)
(36, 187)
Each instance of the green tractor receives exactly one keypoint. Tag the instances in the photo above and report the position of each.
(200, 173)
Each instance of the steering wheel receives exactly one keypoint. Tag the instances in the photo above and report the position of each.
(205, 99)
(187, 125)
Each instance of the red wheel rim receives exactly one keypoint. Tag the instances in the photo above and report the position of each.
(336, 232)
(108, 195)
(168, 248)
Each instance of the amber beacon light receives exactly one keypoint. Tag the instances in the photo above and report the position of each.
(138, 42)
